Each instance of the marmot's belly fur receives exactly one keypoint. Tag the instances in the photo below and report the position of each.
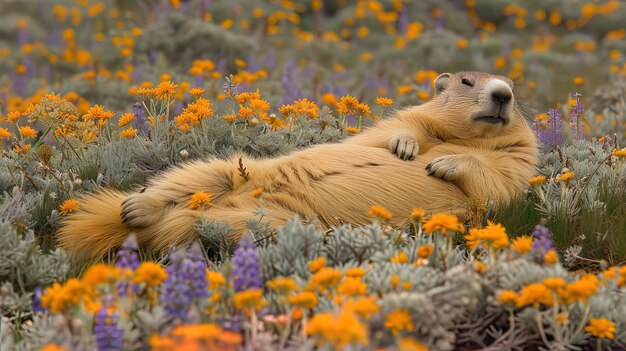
(326, 185)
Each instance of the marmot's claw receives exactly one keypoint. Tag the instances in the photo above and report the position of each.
(405, 147)
(445, 167)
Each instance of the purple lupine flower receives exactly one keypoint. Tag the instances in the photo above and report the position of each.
(578, 109)
(185, 283)
(109, 336)
(551, 133)
(195, 269)
(140, 117)
(247, 271)
(542, 239)
(127, 259)
(37, 292)
(403, 21)
(174, 289)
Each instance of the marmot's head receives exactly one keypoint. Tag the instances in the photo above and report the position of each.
(481, 104)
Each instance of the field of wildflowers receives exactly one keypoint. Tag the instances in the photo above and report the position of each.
(108, 93)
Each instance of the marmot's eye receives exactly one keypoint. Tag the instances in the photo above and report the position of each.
(467, 82)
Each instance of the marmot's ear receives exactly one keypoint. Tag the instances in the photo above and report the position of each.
(441, 82)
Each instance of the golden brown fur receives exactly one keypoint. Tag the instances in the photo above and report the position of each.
(451, 158)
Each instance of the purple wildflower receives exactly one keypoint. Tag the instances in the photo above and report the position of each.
(36, 307)
(185, 283)
(578, 109)
(551, 132)
(109, 336)
(403, 21)
(542, 239)
(140, 117)
(127, 259)
(247, 271)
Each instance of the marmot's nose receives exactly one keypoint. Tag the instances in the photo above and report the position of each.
(502, 96)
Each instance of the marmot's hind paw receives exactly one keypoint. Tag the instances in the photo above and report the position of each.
(141, 210)
(404, 146)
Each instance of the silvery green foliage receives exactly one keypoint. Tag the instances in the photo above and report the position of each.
(23, 264)
(194, 38)
(56, 329)
(6, 337)
(295, 245)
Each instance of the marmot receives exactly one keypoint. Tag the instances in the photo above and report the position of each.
(468, 143)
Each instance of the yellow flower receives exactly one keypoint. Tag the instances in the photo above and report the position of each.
(399, 321)
(317, 264)
(165, 90)
(351, 286)
(403, 89)
(554, 284)
(551, 257)
(383, 101)
(355, 272)
(256, 193)
(480, 267)
(462, 43)
(424, 251)
(240, 63)
(305, 299)
(538, 180)
(150, 273)
(562, 318)
(601, 328)
(27, 132)
(128, 133)
(340, 330)
(259, 104)
(249, 300)
(329, 99)
(69, 205)
(380, 213)
(215, 279)
(507, 297)
(565, 177)
(363, 306)
(443, 223)
(4, 133)
(325, 278)
(52, 347)
(282, 285)
(99, 274)
(196, 91)
(417, 215)
(200, 200)
(353, 130)
(399, 258)
(494, 235)
(581, 289)
(579, 81)
(125, 119)
(620, 153)
(347, 104)
(534, 294)
(12, 117)
(522, 244)
(410, 344)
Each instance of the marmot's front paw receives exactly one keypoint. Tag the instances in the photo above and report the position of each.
(449, 167)
(405, 146)
(141, 210)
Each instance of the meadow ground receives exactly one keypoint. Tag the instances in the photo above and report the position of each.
(100, 94)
